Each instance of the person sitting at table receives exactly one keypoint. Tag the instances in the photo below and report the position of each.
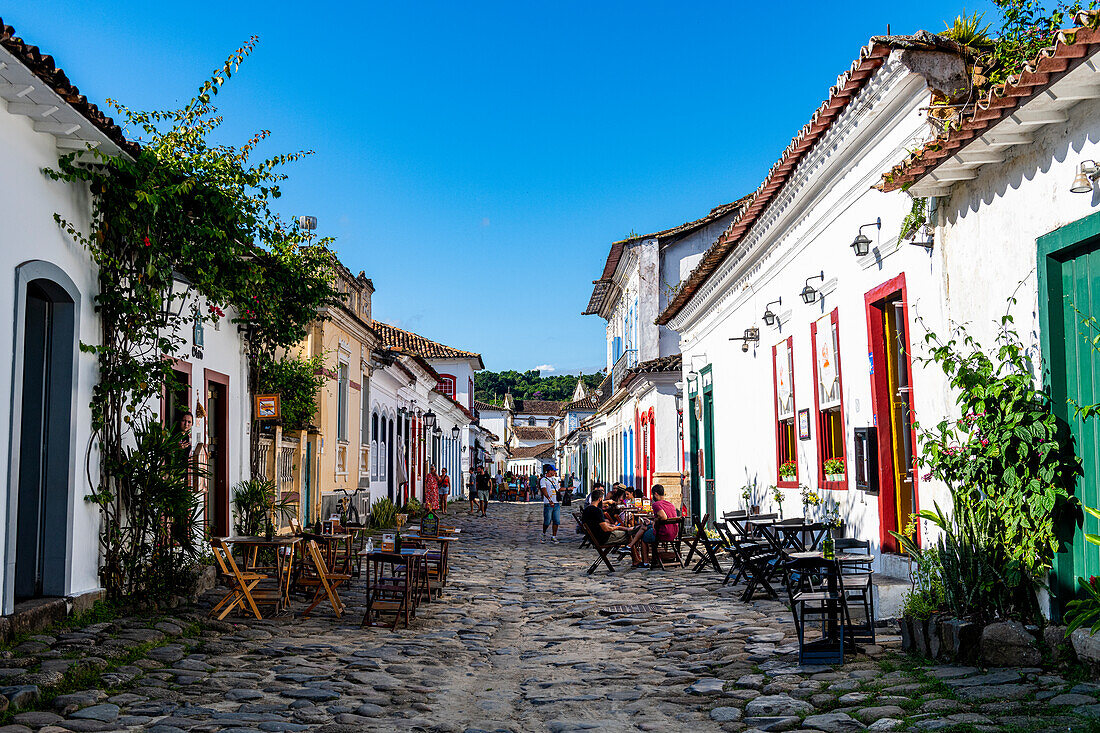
(605, 532)
(588, 500)
(662, 509)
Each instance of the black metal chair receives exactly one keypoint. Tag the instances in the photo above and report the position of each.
(859, 586)
(815, 591)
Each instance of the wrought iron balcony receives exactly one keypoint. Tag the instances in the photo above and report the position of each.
(628, 360)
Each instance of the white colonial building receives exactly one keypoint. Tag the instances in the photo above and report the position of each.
(635, 436)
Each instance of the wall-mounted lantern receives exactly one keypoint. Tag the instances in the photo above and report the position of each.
(809, 295)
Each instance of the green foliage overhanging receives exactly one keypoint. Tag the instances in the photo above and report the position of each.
(296, 381)
(178, 230)
(491, 387)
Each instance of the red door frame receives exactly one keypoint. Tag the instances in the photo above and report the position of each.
(887, 504)
(652, 468)
(221, 464)
(833, 485)
(178, 365)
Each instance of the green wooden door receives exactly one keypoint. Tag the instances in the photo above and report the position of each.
(1069, 290)
(693, 450)
(707, 377)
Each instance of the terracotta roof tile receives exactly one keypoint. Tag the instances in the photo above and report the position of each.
(43, 66)
(541, 451)
(533, 432)
(479, 405)
(871, 57)
(411, 343)
(539, 407)
(588, 403)
(669, 363)
(1001, 100)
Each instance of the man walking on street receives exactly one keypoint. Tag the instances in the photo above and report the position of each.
(483, 489)
(551, 508)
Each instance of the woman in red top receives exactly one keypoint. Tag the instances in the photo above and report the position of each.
(662, 509)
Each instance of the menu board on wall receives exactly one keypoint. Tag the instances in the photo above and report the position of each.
(784, 389)
(828, 375)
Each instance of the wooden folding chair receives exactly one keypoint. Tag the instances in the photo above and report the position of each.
(758, 566)
(580, 527)
(392, 593)
(601, 550)
(295, 525)
(242, 585)
(670, 548)
(707, 555)
(324, 581)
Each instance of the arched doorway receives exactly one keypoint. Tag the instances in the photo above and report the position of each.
(43, 449)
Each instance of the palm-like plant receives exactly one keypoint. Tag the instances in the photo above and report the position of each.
(968, 31)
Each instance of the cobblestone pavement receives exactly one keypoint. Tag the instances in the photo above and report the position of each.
(520, 642)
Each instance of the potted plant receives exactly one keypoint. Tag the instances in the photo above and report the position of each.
(809, 498)
(834, 521)
(777, 495)
(834, 469)
(788, 470)
(746, 494)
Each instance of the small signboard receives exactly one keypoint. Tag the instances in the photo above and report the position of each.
(804, 424)
(429, 525)
(387, 543)
(267, 406)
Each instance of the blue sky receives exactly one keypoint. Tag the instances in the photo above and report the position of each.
(477, 160)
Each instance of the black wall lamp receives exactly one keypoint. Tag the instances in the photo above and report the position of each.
(861, 245)
(752, 336)
(769, 317)
(809, 295)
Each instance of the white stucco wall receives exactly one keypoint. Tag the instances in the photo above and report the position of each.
(806, 230)
(28, 202)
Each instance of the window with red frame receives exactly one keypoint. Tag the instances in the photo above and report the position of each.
(447, 385)
(828, 400)
(783, 376)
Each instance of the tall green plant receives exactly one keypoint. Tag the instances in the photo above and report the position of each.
(296, 381)
(257, 508)
(179, 204)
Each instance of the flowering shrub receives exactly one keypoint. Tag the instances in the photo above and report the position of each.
(788, 469)
(1008, 470)
(834, 466)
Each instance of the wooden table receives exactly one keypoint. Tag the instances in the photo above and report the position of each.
(444, 554)
(396, 592)
(793, 534)
(284, 561)
(330, 543)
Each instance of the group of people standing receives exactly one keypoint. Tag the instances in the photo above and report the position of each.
(437, 488)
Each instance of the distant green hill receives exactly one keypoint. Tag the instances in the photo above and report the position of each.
(491, 386)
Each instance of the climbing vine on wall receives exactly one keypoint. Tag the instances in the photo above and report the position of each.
(179, 229)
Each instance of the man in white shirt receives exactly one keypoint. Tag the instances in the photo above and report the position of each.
(551, 508)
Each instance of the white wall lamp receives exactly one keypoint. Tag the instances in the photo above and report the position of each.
(1087, 173)
(861, 245)
(752, 336)
(809, 295)
(769, 317)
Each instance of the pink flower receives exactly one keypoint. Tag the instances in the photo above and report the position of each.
(926, 477)
(985, 442)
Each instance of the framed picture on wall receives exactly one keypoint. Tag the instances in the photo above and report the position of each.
(804, 424)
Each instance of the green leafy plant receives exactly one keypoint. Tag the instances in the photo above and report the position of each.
(746, 494)
(968, 31)
(788, 469)
(179, 204)
(777, 497)
(833, 466)
(383, 514)
(915, 219)
(296, 380)
(413, 507)
(258, 509)
(1027, 26)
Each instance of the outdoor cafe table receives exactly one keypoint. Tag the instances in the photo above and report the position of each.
(401, 590)
(284, 561)
(330, 546)
(444, 550)
(794, 534)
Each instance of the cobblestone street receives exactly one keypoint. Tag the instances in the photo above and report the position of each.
(520, 642)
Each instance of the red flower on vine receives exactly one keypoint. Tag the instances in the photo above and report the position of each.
(148, 243)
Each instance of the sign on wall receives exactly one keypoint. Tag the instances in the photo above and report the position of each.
(784, 390)
(828, 376)
(804, 424)
(267, 406)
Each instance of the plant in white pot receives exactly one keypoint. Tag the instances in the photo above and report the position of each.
(834, 469)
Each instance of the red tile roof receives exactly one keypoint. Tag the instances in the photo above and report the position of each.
(849, 84)
(588, 403)
(543, 450)
(603, 285)
(411, 343)
(43, 66)
(1070, 48)
(539, 407)
(479, 405)
(533, 432)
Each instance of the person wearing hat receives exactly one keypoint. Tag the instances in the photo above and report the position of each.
(551, 508)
